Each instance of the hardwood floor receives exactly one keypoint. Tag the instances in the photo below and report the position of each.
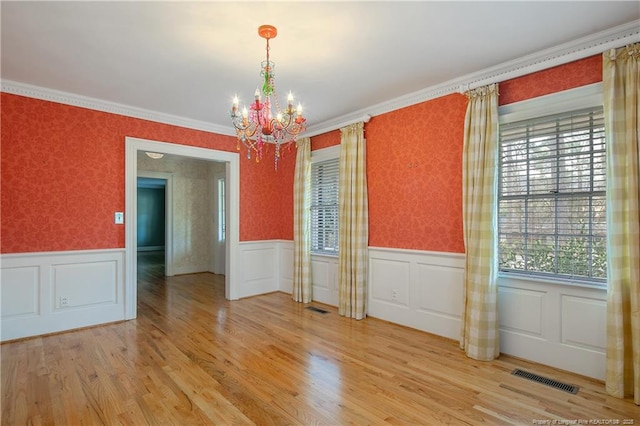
(191, 357)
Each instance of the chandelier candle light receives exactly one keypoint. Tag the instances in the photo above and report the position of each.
(258, 125)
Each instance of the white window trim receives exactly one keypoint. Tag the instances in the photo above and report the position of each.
(555, 103)
(325, 154)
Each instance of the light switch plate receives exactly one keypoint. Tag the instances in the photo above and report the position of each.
(119, 218)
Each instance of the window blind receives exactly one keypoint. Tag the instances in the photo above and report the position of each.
(324, 207)
(552, 196)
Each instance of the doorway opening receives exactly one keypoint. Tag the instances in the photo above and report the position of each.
(230, 161)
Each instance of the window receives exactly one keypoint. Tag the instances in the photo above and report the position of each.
(551, 196)
(324, 204)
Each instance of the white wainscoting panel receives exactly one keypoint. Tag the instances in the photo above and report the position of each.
(259, 267)
(521, 310)
(418, 289)
(70, 282)
(286, 266)
(324, 279)
(20, 292)
(584, 322)
(554, 324)
(57, 291)
(391, 283)
(261, 276)
(440, 294)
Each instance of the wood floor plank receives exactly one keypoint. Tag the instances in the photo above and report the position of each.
(191, 358)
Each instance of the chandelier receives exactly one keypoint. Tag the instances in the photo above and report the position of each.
(264, 122)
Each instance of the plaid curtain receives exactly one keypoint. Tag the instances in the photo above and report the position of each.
(479, 330)
(354, 223)
(301, 223)
(621, 81)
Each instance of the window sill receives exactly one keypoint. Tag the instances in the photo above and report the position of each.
(330, 256)
(563, 283)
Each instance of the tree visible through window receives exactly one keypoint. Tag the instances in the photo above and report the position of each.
(552, 196)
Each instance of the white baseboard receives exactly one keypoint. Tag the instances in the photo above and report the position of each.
(191, 269)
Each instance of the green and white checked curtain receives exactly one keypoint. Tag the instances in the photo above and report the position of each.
(302, 223)
(621, 81)
(479, 332)
(354, 223)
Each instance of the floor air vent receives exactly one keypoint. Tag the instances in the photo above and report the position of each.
(314, 309)
(545, 381)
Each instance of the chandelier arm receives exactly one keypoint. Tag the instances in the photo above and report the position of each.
(285, 125)
(243, 127)
(247, 132)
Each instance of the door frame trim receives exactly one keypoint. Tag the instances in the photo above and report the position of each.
(232, 176)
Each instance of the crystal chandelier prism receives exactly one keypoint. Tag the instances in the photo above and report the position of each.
(264, 123)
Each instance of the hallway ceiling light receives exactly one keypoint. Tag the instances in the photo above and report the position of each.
(264, 122)
(154, 155)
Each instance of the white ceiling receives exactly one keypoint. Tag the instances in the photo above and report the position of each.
(188, 59)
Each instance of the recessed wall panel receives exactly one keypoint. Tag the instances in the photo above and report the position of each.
(440, 289)
(583, 322)
(390, 280)
(287, 264)
(320, 274)
(259, 264)
(20, 291)
(84, 284)
(521, 310)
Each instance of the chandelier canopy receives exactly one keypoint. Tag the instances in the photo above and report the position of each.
(264, 122)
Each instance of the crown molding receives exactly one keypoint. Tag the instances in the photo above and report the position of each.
(45, 94)
(564, 53)
(578, 49)
(568, 52)
(337, 123)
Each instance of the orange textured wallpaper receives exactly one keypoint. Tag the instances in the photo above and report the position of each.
(563, 77)
(415, 176)
(326, 140)
(266, 204)
(62, 171)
